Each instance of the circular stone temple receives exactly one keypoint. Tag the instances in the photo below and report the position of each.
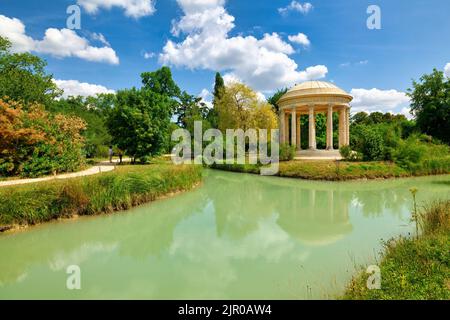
(311, 98)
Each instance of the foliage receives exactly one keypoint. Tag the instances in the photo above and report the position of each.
(287, 152)
(35, 142)
(94, 111)
(413, 269)
(161, 82)
(139, 122)
(327, 170)
(372, 145)
(430, 103)
(240, 108)
(273, 100)
(349, 155)
(121, 189)
(191, 109)
(23, 78)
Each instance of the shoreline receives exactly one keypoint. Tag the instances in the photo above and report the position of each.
(16, 228)
(252, 169)
(119, 190)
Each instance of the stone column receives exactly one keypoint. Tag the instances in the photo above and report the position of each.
(282, 126)
(312, 129)
(342, 128)
(299, 141)
(294, 127)
(347, 140)
(330, 128)
(286, 129)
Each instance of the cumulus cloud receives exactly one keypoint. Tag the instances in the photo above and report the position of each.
(133, 8)
(296, 7)
(207, 98)
(447, 70)
(59, 43)
(75, 88)
(380, 100)
(261, 63)
(301, 39)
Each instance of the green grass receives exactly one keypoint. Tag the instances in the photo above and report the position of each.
(343, 170)
(121, 189)
(326, 170)
(413, 268)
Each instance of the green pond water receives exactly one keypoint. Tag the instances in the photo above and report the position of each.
(235, 237)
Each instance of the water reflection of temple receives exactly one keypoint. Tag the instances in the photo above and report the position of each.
(304, 211)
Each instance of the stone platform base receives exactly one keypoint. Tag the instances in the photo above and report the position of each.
(318, 155)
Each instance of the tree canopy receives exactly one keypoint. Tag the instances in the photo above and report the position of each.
(430, 104)
(240, 108)
(140, 120)
(23, 77)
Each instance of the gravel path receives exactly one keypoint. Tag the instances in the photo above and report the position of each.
(104, 166)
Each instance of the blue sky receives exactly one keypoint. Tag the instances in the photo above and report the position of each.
(252, 41)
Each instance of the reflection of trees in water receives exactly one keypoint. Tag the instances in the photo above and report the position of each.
(312, 212)
(241, 201)
(144, 231)
(315, 212)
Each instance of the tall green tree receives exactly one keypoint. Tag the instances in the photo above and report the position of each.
(191, 109)
(23, 77)
(140, 121)
(219, 91)
(430, 104)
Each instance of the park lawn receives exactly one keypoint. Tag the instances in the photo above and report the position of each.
(326, 170)
(121, 189)
(345, 170)
(411, 268)
(340, 170)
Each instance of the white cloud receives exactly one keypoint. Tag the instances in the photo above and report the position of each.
(359, 63)
(60, 43)
(101, 38)
(379, 100)
(300, 38)
(133, 8)
(207, 98)
(447, 70)
(406, 111)
(262, 63)
(296, 6)
(149, 55)
(193, 6)
(75, 88)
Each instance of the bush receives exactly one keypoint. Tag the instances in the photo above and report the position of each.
(35, 142)
(118, 190)
(287, 152)
(409, 153)
(373, 145)
(348, 154)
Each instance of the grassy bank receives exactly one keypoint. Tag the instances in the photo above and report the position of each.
(121, 189)
(413, 268)
(342, 170)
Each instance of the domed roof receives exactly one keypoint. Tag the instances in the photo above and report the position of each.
(314, 88)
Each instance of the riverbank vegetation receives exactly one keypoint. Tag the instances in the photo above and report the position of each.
(326, 170)
(121, 189)
(413, 268)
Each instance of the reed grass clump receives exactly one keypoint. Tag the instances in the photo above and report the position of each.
(413, 268)
(104, 193)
